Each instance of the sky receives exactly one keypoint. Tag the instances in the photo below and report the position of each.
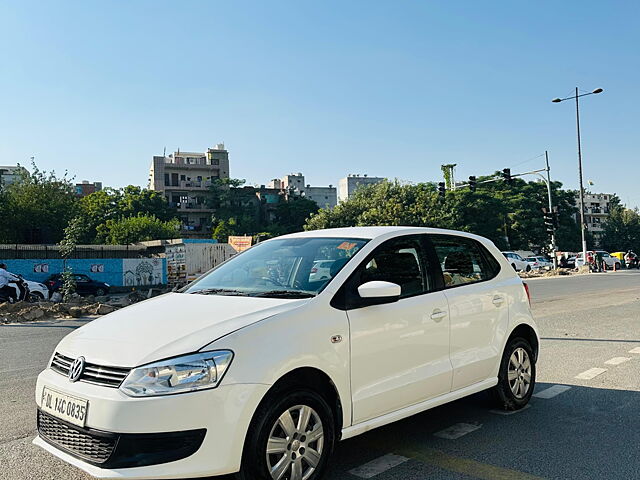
(386, 88)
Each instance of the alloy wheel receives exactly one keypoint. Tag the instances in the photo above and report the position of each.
(519, 372)
(295, 444)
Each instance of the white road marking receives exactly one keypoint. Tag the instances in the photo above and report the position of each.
(552, 391)
(591, 373)
(458, 430)
(377, 466)
(509, 412)
(617, 360)
(635, 350)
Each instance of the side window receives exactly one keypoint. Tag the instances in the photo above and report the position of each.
(463, 260)
(397, 261)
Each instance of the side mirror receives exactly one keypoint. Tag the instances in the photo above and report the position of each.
(381, 291)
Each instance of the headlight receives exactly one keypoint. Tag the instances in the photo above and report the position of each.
(178, 375)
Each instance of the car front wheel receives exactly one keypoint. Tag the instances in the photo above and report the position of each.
(100, 292)
(290, 438)
(517, 375)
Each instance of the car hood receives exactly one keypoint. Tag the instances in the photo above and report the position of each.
(166, 326)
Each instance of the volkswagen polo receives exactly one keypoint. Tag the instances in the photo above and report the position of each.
(260, 367)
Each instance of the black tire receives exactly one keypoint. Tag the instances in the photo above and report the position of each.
(514, 266)
(617, 266)
(254, 458)
(502, 393)
(528, 269)
(35, 297)
(100, 292)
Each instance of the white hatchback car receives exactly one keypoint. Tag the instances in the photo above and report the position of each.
(258, 369)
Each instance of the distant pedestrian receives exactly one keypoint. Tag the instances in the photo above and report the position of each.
(563, 261)
(599, 262)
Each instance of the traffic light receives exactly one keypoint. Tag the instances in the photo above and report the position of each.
(442, 189)
(506, 174)
(549, 220)
(472, 183)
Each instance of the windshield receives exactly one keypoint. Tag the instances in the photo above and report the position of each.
(287, 268)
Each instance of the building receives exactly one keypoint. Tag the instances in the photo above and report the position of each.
(294, 185)
(85, 188)
(184, 178)
(10, 173)
(596, 212)
(347, 186)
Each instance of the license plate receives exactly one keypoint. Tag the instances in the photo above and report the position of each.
(65, 407)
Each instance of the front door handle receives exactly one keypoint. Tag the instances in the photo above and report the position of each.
(498, 300)
(438, 315)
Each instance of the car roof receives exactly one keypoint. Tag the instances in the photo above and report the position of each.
(370, 233)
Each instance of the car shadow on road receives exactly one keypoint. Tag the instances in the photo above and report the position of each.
(581, 433)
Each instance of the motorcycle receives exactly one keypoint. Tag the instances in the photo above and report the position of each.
(632, 261)
(22, 291)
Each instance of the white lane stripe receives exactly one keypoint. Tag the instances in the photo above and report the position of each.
(458, 430)
(591, 373)
(377, 466)
(635, 350)
(552, 391)
(510, 412)
(617, 360)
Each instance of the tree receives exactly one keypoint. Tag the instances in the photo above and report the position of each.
(291, 215)
(510, 215)
(137, 229)
(37, 207)
(621, 231)
(115, 204)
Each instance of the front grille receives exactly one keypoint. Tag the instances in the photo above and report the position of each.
(119, 450)
(81, 443)
(96, 374)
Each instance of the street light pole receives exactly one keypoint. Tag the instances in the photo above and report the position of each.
(581, 195)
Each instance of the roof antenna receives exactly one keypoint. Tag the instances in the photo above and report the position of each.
(164, 152)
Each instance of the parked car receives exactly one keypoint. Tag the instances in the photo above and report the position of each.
(539, 263)
(84, 285)
(262, 374)
(518, 263)
(321, 270)
(606, 258)
(571, 262)
(38, 291)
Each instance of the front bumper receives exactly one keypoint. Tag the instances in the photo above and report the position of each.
(224, 412)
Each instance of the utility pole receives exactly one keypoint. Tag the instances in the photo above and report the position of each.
(554, 247)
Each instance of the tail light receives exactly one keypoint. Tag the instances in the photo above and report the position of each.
(314, 270)
(526, 289)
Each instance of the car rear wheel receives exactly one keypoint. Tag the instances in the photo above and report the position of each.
(514, 266)
(517, 375)
(528, 269)
(289, 438)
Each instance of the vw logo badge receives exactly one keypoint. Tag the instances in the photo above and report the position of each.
(77, 367)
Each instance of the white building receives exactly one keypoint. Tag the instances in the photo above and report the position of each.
(325, 197)
(347, 186)
(596, 212)
(10, 173)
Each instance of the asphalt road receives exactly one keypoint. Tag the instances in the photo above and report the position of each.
(583, 422)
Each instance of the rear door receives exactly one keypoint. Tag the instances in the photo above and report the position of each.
(478, 307)
(400, 350)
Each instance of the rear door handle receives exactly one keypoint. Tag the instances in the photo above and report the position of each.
(498, 300)
(438, 315)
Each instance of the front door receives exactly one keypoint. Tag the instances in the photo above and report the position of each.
(400, 350)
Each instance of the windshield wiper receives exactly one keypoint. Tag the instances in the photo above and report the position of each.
(219, 291)
(284, 294)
